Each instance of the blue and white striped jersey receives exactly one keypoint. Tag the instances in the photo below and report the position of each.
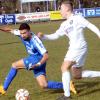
(34, 46)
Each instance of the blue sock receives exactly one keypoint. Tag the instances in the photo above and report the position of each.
(12, 73)
(54, 85)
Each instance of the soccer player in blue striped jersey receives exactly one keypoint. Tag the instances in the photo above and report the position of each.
(36, 61)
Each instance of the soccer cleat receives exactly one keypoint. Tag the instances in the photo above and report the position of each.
(2, 91)
(63, 98)
(72, 87)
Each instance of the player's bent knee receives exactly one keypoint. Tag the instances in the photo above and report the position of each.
(76, 72)
(14, 65)
(43, 86)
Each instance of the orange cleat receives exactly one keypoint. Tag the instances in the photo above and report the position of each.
(72, 87)
(2, 91)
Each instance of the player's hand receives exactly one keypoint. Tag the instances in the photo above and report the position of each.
(33, 66)
(40, 35)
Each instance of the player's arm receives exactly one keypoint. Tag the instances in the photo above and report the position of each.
(93, 28)
(42, 61)
(6, 29)
(10, 30)
(51, 36)
(54, 36)
(48, 37)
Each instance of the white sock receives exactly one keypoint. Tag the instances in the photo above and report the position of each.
(66, 83)
(89, 73)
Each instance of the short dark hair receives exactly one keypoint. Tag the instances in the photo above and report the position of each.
(66, 2)
(24, 26)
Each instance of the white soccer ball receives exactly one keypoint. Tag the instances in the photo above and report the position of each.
(22, 94)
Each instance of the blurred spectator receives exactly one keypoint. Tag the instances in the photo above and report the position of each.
(37, 9)
(16, 11)
(3, 10)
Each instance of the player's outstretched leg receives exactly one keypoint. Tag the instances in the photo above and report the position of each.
(90, 73)
(59, 85)
(12, 73)
(54, 85)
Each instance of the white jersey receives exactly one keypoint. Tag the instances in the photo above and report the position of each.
(73, 29)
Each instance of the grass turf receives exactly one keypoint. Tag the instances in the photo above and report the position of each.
(11, 49)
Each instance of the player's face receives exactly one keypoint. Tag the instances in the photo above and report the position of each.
(64, 10)
(25, 34)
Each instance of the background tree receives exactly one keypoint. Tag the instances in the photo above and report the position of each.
(8, 6)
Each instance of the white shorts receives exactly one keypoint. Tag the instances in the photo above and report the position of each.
(78, 56)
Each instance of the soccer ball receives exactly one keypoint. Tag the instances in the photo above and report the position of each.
(22, 94)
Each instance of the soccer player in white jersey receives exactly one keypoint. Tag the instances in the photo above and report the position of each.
(36, 61)
(74, 59)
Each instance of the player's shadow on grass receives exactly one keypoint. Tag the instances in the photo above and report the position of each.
(1, 44)
(85, 88)
(53, 91)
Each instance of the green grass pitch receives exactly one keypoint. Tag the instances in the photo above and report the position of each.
(11, 49)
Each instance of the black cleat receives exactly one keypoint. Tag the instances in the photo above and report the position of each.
(63, 98)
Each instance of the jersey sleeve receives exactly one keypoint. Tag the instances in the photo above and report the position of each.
(60, 32)
(16, 32)
(94, 29)
(84, 22)
(39, 45)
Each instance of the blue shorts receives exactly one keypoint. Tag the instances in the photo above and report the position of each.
(31, 60)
